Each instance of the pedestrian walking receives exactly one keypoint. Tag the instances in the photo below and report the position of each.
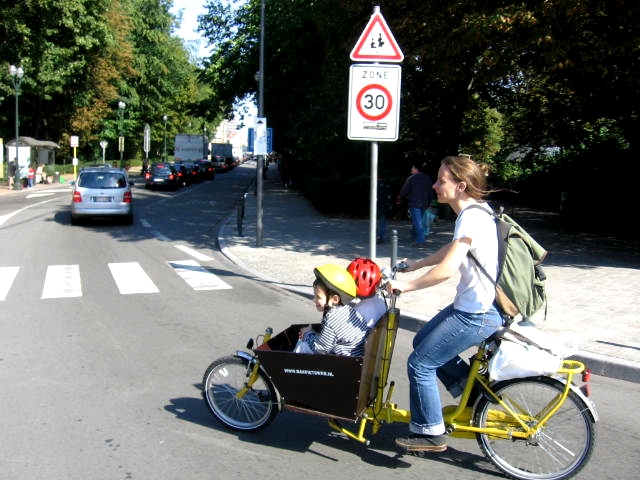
(418, 191)
(31, 177)
(11, 171)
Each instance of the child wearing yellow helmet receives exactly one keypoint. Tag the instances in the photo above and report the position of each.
(343, 329)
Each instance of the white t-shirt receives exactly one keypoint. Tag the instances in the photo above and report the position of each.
(475, 293)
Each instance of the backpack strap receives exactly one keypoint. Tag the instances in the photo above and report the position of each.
(503, 333)
(501, 253)
(473, 257)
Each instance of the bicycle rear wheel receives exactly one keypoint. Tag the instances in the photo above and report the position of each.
(249, 412)
(559, 450)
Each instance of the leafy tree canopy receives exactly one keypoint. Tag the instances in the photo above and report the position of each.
(479, 77)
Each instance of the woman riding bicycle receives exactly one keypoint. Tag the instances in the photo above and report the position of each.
(473, 315)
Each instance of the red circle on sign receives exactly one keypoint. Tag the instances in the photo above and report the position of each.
(374, 117)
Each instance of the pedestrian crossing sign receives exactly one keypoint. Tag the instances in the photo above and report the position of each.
(377, 44)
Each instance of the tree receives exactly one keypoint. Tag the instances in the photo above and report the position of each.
(107, 69)
(58, 52)
(84, 56)
(520, 73)
(165, 82)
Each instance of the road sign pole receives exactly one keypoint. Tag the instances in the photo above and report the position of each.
(373, 201)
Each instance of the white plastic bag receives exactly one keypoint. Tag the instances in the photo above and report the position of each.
(559, 345)
(518, 354)
(516, 360)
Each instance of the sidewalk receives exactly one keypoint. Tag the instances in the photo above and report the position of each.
(5, 189)
(593, 284)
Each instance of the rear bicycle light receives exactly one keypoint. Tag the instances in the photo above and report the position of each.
(586, 389)
(586, 386)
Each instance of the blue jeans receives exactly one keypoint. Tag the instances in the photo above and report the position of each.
(416, 220)
(446, 335)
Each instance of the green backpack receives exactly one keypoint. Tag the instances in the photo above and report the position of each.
(520, 287)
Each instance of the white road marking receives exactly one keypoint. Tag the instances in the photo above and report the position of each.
(160, 236)
(195, 254)
(198, 277)
(131, 278)
(7, 276)
(4, 218)
(38, 195)
(62, 281)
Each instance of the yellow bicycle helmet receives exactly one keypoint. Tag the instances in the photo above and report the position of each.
(338, 279)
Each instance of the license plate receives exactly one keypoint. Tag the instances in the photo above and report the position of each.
(102, 199)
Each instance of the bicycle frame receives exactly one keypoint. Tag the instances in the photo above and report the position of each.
(458, 418)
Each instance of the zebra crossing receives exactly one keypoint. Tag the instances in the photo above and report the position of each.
(130, 278)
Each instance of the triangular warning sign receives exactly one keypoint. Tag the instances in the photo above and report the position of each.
(377, 44)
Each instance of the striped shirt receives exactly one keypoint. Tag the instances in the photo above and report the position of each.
(344, 332)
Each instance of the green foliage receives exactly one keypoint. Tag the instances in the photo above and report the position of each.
(84, 56)
(486, 78)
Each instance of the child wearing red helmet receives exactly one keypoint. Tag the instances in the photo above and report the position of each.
(369, 302)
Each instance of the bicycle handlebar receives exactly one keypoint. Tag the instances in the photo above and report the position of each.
(389, 273)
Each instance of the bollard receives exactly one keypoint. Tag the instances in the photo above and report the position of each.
(240, 214)
(394, 248)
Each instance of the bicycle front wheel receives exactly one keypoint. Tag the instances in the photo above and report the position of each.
(235, 404)
(560, 448)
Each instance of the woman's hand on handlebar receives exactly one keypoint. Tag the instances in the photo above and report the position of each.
(405, 265)
(395, 287)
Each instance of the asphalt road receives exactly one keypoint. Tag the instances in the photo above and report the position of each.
(101, 379)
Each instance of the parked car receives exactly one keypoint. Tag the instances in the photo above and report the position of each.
(98, 165)
(220, 164)
(162, 175)
(194, 171)
(102, 193)
(207, 169)
(184, 179)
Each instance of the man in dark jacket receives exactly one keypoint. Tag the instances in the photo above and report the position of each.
(11, 172)
(418, 190)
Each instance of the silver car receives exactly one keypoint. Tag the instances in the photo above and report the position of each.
(102, 193)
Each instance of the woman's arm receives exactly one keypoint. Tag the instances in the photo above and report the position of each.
(431, 260)
(450, 257)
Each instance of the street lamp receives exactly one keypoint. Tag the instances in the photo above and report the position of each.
(204, 142)
(164, 154)
(259, 173)
(121, 107)
(16, 77)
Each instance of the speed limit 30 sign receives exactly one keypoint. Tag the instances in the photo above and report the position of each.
(374, 102)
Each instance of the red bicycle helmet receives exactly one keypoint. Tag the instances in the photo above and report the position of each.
(366, 274)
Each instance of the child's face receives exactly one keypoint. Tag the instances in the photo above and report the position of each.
(320, 299)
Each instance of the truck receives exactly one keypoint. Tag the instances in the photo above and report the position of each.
(221, 155)
(189, 148)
